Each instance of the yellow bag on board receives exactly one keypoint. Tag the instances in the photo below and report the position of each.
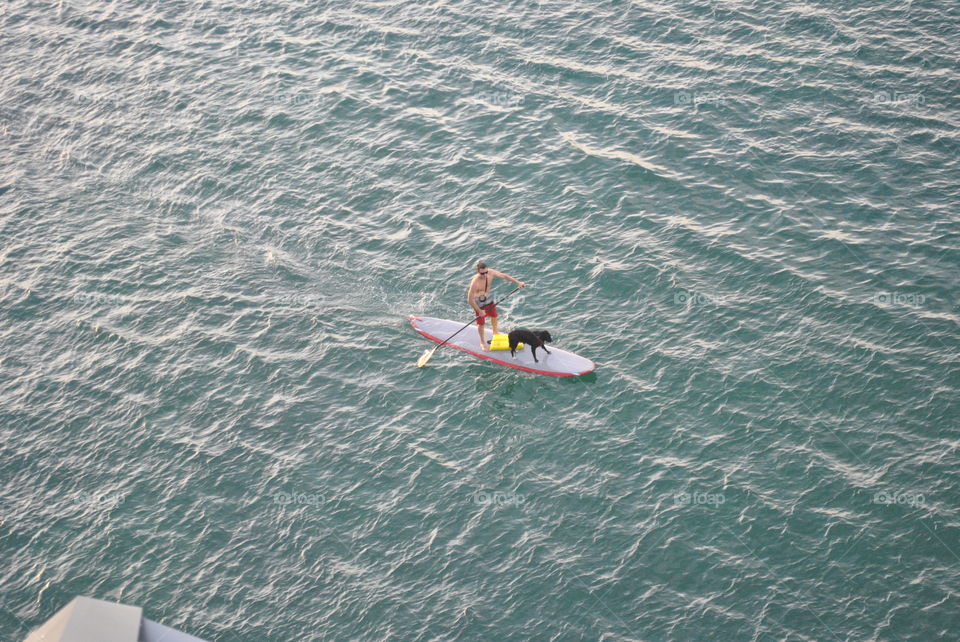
(501, 342)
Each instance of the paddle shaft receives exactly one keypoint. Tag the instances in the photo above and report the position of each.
(475, 318)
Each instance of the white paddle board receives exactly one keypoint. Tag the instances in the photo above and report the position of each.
(559, 363)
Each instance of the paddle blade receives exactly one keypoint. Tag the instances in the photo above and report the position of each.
(422, 361)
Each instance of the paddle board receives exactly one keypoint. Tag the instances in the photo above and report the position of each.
(559, 363)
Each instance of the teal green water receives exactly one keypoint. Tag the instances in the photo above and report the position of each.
(216, 217)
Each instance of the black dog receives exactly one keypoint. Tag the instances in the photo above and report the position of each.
(534, 339)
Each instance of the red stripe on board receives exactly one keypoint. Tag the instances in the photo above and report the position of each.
(489, 358)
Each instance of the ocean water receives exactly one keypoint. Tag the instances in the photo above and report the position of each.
(215, 218)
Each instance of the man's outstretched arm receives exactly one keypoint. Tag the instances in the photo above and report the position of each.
(509, 278)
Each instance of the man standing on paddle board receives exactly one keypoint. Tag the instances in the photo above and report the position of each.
(478, 296)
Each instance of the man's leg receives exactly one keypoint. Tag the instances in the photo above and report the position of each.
(494, 324)
(483, 337)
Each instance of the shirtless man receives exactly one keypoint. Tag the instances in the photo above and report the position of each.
(478, 296)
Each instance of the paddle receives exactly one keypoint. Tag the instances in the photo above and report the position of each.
(422, 361)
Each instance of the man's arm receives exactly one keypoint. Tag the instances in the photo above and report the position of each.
(508, 278)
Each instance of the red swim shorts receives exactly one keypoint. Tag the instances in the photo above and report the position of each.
(490, 311)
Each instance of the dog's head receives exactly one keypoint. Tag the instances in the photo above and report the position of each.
(544, 336)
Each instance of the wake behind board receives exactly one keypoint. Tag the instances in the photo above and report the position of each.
(559, 363)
